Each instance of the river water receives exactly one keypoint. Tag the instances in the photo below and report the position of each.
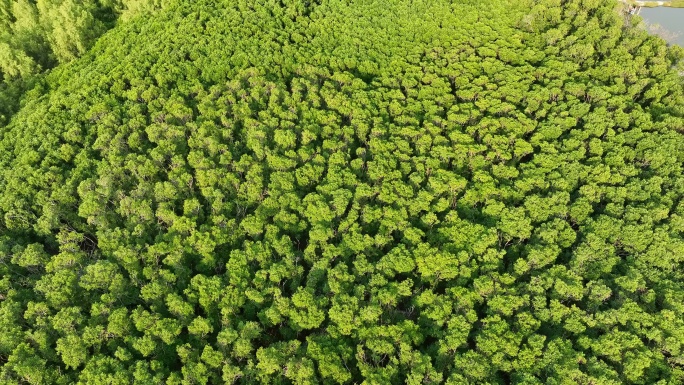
(666, 22)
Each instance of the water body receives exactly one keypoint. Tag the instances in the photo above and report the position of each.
(666, 22)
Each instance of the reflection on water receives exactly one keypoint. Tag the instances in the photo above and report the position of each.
(666, 22)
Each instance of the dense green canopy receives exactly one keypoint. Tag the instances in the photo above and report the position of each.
(35, 35)
(338, 191)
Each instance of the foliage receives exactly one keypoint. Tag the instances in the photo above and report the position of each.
(37, 34)
(377, 192)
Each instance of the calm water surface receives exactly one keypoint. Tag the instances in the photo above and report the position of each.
(670, 19)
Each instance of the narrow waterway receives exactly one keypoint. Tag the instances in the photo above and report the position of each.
(666, 22)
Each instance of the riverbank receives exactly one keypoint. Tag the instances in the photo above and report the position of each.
(671, 3)
(657, 19)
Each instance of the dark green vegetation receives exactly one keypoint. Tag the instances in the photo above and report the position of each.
(346, 191)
